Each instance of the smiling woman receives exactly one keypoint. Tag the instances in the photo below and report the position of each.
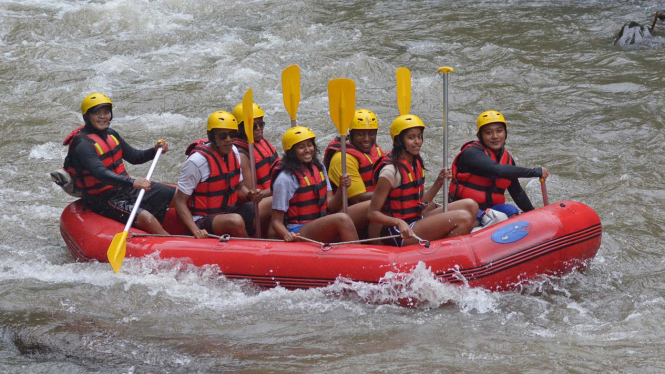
(399, 202)
(483, 169)
(302, 195)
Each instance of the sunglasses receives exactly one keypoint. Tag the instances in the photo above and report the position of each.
(259, 125)
(224, 135)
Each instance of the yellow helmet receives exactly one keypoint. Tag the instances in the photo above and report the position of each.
(404, 122)
(93, 100)
(364, 119)
(295, 135)
(222, 120)
(490, 116)
(256, 111)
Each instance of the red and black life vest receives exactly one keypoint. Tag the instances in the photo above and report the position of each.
(366, 161)
(310, 199)
(264, 156)
(403, 202)
(109, 151)
(219, 193)
(486, 191)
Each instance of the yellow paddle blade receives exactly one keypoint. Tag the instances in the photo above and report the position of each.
(291, 89)
(403, 90)
(342, 100)
(116, 252)
(248, 115)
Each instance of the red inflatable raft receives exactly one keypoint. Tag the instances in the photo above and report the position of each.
(552, 240)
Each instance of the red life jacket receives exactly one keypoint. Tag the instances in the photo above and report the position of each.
(310, 199)
(219, 193)
(403, 201)
(264, 156)
(486, 191)
(109, 151)
(366, 161)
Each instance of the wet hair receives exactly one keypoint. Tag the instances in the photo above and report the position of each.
(290, 161)
(480, 138)
(94, 109)
(241, 131)
(398, 147)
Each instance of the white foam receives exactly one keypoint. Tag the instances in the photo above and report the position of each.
(160, 121)
(48, 151)
(419, 288)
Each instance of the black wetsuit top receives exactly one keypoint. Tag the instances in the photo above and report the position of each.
(85, 156)
(475, 161)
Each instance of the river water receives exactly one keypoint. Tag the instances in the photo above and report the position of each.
(589, 111)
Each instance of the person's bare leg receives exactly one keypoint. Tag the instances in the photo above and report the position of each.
(231, 224)
(330, 228)
(444, 225)
(147, 222)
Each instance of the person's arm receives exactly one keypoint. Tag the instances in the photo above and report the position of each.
(190, 177)
(360, 197)
(245, 193)
(477, 162)
(283, 190)
(133, 155)
(86, 156)
(246, 172)
(436, 187)
(374, 214)
(335, 170)
(277, 224)
(334, 200)
(519, 196)
(185, 215)
(356, 192)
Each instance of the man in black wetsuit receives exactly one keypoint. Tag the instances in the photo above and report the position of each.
(95, 161)
(484, 169)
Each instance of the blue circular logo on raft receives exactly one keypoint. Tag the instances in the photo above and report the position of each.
(511, 233)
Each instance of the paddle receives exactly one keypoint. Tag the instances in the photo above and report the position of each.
(445, 70)
(342, 100)
(118, 247)
(291, 91)
(248, 120)
(403, 90)
(543, 188)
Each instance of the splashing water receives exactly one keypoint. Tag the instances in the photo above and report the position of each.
(418, 288)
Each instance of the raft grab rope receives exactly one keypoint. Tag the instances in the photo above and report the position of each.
(324, 246)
